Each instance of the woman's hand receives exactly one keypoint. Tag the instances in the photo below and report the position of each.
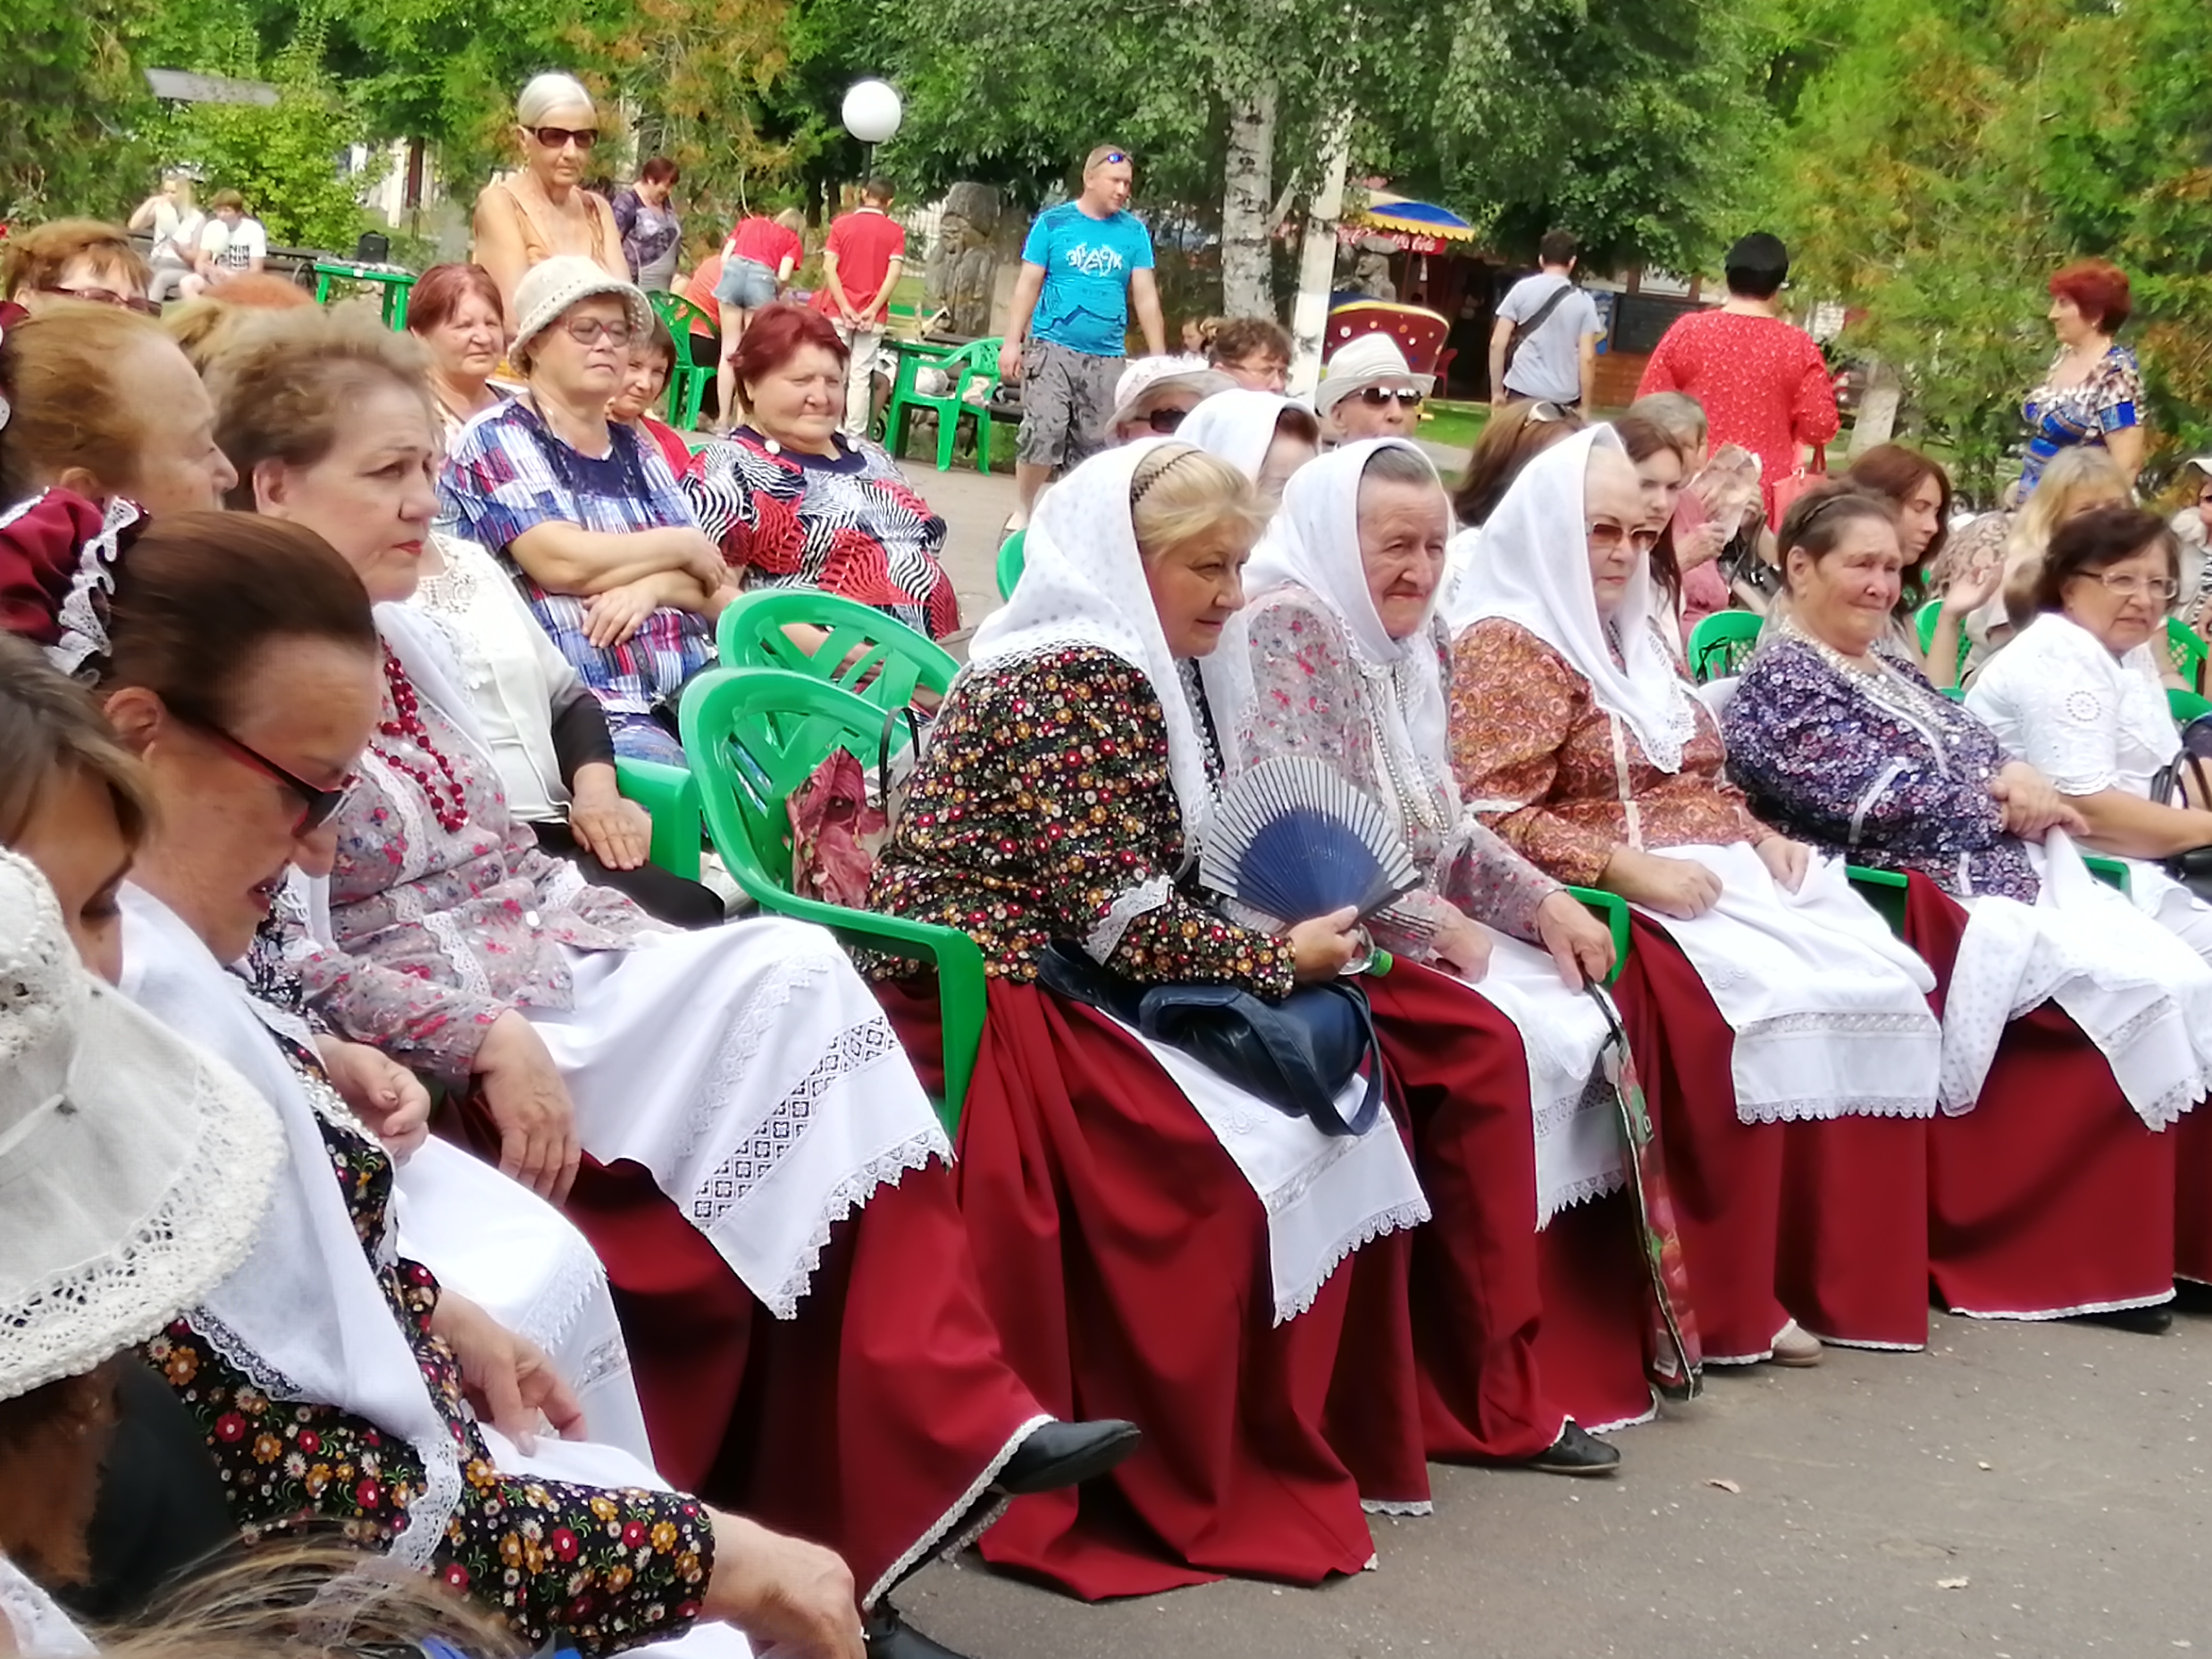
(1578, 941)
(697, 557)
(1972, 590)
(507, 1377)
(1785, 859)
(523, 1091)
(794, 1600)
(617, 832)
(2032, 808)
(383, 1094)
(1322, 948)
(1701, 546)
(1462, 944)
(610, 618)
(1680, 888)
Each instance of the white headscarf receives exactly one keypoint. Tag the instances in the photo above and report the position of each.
(303, 1317)
(1532, 567)
(1083, 584)
(1313, 543)
(1239, 426)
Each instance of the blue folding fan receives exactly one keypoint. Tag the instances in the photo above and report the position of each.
(1292, 839)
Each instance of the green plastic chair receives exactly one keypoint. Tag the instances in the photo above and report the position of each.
(753, 736)
(1613, 910)
(1719, 644)
(1885, 888)
(1010, 562)
(874, 656)
(1923, 623)
(978, 361)
(687, 384)
(671, 798)
(2186, 705)
(2187, 648)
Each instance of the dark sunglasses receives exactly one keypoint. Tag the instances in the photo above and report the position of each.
(1113, 158)
(317, 805)
(1164, 421)
(107, 296)
(554, 138)
(1404, 395)
(1546, 412)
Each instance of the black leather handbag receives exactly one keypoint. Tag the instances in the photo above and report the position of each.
(1297, 1055)
(2185, 774)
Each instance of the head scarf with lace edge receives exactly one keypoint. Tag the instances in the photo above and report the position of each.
(1237, 425)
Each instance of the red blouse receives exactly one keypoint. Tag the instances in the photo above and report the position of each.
(1763, 383)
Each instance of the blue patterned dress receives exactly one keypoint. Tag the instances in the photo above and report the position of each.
(1880, 769)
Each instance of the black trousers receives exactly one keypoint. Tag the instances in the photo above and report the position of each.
(666, 897)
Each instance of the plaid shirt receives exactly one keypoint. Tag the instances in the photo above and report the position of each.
(507, 473)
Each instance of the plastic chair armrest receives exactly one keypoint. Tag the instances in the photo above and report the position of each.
(1614, 910)
(671, 796)
(1884, 890)
(2112, 871)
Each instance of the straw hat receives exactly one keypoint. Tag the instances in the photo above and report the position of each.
(134, 1168)
(549, 287)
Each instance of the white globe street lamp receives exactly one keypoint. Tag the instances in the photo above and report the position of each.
(871, 111)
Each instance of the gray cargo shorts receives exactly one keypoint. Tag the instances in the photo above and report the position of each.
(1067, 396)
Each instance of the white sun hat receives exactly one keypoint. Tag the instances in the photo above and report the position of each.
(1146, 379)
(1371, 360)
(549, 287)
(134, 1168)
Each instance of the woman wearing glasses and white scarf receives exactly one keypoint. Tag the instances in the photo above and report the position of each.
(1761, 992)
(1347, 661)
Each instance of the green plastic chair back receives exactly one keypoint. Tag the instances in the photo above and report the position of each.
(1720, 644)
(976, 361)
(2186, 705)
(754, 735)
(875, 656)
(1010, 562)
(2187, 650)
(687, 383)
(1923, 623)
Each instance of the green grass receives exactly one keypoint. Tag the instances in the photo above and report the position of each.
(1455, 425)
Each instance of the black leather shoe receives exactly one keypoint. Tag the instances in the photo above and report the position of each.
(1576, 1451)
(1059, 1454)
(2144, 1322)
(889, 1636)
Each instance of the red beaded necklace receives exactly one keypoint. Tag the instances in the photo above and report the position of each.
(449, 804)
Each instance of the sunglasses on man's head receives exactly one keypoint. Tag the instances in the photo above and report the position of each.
(107, 296)
(554, 138)
(1113, 158)
(1376, 396)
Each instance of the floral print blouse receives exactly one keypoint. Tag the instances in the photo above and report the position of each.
(596, 1569)
(1564, 781)
(439, 932)
(1312, 699)
(2109, 398)
(1879, 768)
(1042, 811)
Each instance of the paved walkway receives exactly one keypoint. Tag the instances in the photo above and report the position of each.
(2018, 1491)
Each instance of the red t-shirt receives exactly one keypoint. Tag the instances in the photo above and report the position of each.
(1763, 383)
(700, 290)
(866, 241)
(764, 242)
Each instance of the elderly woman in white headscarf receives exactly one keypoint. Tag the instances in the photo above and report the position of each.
(1148, 1233)
(1264, 436)
(1349, 663)
(1761, 991)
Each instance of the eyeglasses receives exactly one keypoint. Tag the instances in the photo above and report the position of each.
(1544, 412)
(590, 331)
(1404, 395)
(317, 805)
(1166, 421)
(2130, 588)
(107, 296)
(554, 138)
(1606, 537)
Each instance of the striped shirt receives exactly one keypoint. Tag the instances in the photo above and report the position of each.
(507, 473)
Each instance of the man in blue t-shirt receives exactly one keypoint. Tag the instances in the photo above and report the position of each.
(1084, 265)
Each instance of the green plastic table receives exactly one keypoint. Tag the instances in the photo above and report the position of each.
(395, 280)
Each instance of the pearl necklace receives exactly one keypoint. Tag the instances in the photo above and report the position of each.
(449, 802)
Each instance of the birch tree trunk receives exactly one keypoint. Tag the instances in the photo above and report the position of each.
(1247, 224)
(1318, 259)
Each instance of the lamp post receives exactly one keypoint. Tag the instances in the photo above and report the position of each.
(871, 115)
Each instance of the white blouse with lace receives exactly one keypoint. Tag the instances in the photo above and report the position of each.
(2087, 721)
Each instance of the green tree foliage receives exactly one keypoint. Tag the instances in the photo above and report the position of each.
(69, 95)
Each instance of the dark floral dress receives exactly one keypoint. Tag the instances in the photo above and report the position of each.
(1881, 769)
(1043, 811)
(595, 1569)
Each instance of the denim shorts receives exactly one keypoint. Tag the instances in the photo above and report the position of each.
(745, 285)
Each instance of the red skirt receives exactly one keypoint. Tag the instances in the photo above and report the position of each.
(1591, 1345)
(2052, 1196)
(1126, 1260)
(2192, 1188)
(1726, 1174)
(869, 1423)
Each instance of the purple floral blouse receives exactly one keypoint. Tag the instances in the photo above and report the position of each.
(1313, 700)
(1881, 769)
(440, 933)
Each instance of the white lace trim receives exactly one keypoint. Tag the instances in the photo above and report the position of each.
(1814, 1108)
(1649, 1414)
(84, 634)
(575, 1285)
(2158, 1300)
(1365, 1233)
(1128, 904)
(924, 1546)
(848, 1195)
(1866, 1342)
(1577, 1192)
(744, 1040)
(1396, 1510)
